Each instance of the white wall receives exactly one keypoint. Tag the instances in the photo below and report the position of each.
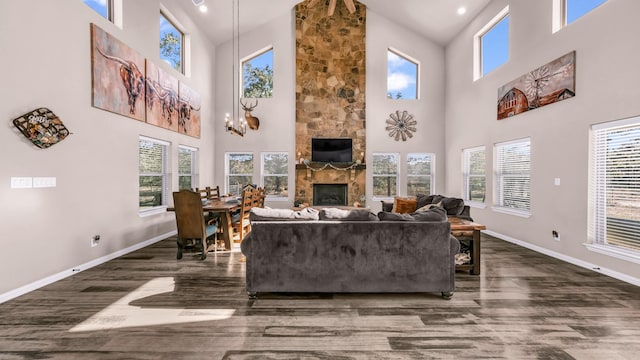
(46, 62)
(428, 110)
(607, 55)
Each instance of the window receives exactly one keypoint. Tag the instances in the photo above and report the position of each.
(513, 176)
(615, 186)
(239, 168)
(171, 43)
(474, 178)
(275, 174)
(385, 175)
(402, 76)
(491, 45)
(102, 7)
(187, 174)
(153, 174)
(258, 75)
(567, 11)
(420, 174)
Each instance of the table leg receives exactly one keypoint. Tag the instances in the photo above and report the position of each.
(475, 270)
(227, 229)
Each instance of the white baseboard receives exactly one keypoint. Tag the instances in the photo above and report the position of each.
(608, 272)
(76, 269)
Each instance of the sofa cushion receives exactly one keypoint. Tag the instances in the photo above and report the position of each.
(423, 199)
(403, 205)
(429, 207)
(347, 215)
(268, 214)
(433, 214)
(391, 216)
(454, 206)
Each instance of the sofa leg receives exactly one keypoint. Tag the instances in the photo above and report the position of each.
(447, 295)
(252, 295)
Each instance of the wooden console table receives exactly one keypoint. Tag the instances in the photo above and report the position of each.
(466, 228)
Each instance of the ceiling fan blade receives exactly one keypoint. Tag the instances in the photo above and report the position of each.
(350, 5)
(332, 6)
(312, 3)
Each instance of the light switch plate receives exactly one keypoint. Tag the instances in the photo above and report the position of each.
(40, 182)
(21, 182)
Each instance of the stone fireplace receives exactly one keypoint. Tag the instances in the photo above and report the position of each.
(330, 194)
(330, 96)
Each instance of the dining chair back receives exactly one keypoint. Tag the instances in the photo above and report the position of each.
(209, 193)
(240, 221)
(190, 221)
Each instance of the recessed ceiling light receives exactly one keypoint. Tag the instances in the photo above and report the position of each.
(462, 10)
(203, 8)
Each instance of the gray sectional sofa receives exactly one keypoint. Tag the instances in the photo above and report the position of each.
(350, 253)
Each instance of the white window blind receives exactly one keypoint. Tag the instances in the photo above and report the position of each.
(275, 174)
(513, 175)
(420, 174)
(187, 172)
(474, 177)
(153, 173)
(616, 184)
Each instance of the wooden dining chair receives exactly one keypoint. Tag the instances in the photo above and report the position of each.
(209, 193)
(190, 221)
(240, 221)
(259, 197)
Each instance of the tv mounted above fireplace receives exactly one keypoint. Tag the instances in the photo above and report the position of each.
(331, 150)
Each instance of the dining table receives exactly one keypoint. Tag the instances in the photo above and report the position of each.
(223, 206)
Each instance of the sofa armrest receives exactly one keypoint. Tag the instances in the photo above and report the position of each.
(387, 206)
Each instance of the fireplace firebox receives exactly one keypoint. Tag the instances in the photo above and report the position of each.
(330, 194)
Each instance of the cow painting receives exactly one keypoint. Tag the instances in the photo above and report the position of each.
(162, 97)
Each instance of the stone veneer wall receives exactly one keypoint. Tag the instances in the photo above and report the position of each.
(330, 91)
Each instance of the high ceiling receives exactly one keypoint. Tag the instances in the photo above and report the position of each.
(434, 19)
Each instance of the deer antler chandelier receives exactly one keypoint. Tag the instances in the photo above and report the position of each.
(332, 5)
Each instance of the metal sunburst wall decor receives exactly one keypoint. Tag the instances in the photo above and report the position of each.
(401, 125)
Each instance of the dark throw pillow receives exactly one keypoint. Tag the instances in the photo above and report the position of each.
(433, 214)
(454, 206)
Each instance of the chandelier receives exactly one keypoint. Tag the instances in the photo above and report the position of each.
(233, 123)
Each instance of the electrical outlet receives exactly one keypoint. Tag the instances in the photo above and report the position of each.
(556, 235)
(95, 240)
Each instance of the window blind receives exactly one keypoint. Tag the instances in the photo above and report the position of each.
(474, 178)
(153, 173)
(513, 174)
(187, 167)
(420, 174)
(616, 183)
(385, 174)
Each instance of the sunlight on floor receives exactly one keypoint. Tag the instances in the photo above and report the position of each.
(121, 315)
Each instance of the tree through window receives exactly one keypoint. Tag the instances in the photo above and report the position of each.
(171, 44)
(258, 76)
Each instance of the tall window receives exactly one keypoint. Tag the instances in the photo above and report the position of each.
(402, 76)
(275, 174)
(102, 7)
(171, 43)
(239, 171)
(491, 45)
(615, 188)
(385, 175)
(153, 173)
(258, 75)
(420, 174)
(474, 178)
(187, 174)
(513, 176)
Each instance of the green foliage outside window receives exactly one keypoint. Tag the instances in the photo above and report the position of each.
(258, 76)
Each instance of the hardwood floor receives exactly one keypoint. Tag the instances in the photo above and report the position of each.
(147, 305)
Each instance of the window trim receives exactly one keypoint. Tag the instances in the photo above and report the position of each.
(262, 175)
(252, 56)
(466, 175)
(595, 243)
(497, 207)
(431, 176)
(410, 59)
(477, 42)
(373, 175)
(194, 165)
(226, 168)
(166, 177)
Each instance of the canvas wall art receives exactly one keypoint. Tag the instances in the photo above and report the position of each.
(189, 104)
(118, 76)
(545, 85)
(161, 98)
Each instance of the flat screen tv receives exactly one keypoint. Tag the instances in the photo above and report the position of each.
(329, 150)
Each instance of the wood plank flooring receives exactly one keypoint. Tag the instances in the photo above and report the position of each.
(147, 305)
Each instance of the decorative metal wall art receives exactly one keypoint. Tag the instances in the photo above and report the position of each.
(42, 127)
(401, 125)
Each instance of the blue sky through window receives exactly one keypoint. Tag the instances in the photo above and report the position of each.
(402, 76)
(262, 60)
(495, 46)
(175, 60)
(100, 6)
(577, 8)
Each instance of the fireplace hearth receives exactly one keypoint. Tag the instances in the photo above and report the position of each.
(330, 194)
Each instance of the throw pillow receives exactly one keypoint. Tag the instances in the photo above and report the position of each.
(429, 207)
(423, 200)
(390, 216)
(346, 215)
(454, 206)
(434, 214)
(404, 205)
(267, 214)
